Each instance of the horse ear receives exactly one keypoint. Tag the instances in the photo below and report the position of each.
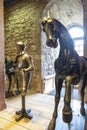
(44, 19)
(49, 18)
(48, 13)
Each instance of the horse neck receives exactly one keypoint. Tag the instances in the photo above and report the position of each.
(65, 39)
(66, 42)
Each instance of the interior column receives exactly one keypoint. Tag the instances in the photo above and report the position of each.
(2, 89)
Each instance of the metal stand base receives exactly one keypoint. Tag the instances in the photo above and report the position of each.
(23, 112)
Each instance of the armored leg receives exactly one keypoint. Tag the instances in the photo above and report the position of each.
(26, 78)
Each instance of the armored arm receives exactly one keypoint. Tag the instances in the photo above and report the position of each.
(30, 64)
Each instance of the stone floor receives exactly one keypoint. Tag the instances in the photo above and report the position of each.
(41, 106)
(75, 93)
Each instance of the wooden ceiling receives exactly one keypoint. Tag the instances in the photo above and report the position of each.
(8, 2)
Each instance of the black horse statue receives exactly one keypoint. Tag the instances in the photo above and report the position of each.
(69, 66)
(10, 72)
(9, 65)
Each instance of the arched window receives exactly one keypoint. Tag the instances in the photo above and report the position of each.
(77, 35)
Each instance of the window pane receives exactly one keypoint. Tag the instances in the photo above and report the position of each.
(76, 32)
(79, 47)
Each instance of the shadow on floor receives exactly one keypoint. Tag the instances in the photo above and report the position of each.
(74, 93)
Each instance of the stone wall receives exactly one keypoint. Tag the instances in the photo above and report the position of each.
(68, 15)
(23, 23)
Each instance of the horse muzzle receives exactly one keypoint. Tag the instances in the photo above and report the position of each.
(52, 43)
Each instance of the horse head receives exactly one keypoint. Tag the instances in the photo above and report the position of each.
(49, 29)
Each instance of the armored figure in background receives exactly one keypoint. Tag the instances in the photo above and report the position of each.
(23, 70)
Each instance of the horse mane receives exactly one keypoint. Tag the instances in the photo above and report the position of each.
(63, 30)
(68, 57)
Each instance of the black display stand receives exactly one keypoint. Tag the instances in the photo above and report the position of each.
(23, 112)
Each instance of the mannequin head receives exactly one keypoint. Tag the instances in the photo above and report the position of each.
(21, 46)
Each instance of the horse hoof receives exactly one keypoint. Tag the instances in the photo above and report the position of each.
(51, 126)
(82, 111)
(67, 116)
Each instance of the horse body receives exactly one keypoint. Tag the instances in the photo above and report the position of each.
(69, 66)
(8, 65)
(10, 72)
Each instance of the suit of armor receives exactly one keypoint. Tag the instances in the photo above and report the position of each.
(23, 70)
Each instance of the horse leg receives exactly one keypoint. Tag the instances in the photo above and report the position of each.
(67, 111)
(84, 82)
(58, 85)
(17, 86)
(10, 82)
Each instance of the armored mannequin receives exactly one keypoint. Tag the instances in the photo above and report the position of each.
(23, 70)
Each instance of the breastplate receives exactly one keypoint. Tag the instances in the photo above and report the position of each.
(21, 62)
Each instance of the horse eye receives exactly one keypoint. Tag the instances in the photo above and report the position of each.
(44, 23)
